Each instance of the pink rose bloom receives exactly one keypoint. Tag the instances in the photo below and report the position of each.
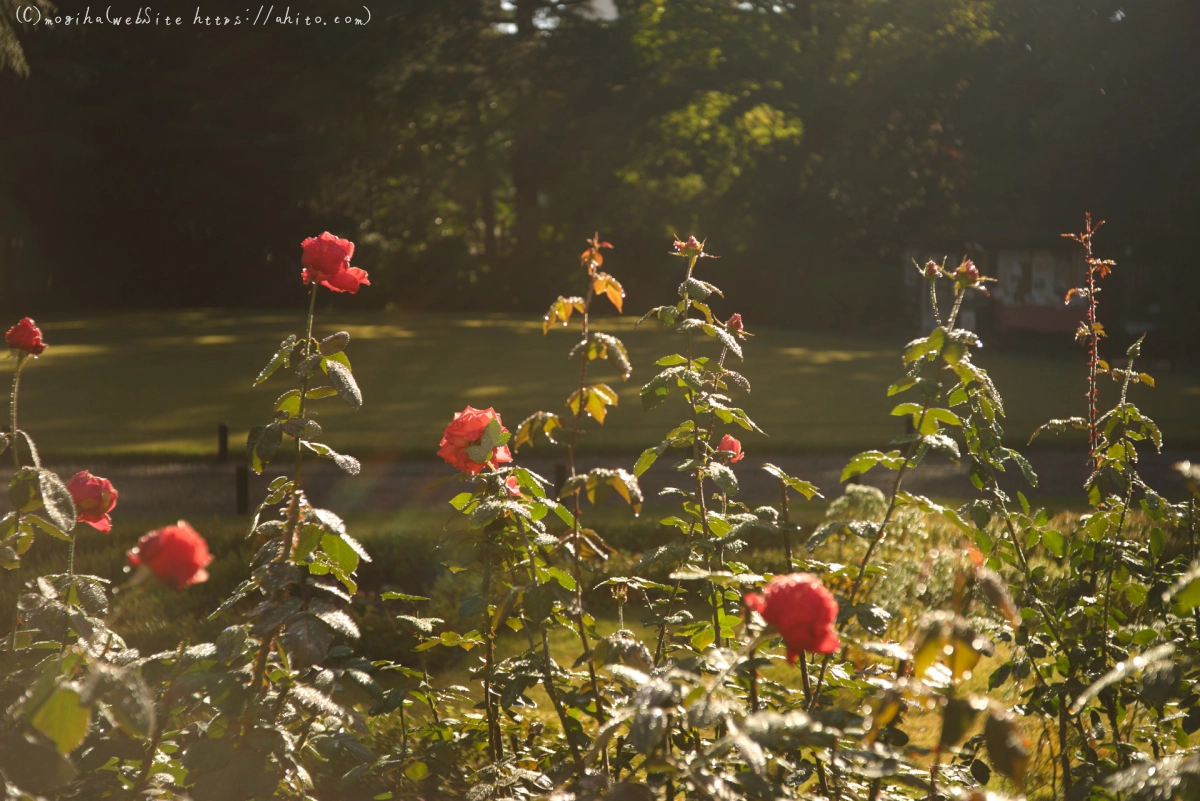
(94, 498)
(467, 429)
(804, 612)
(326, 260)
(730, 444)
(176, 554)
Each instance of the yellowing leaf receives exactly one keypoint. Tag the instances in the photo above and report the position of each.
(605, 284)
(560, 311)
(595, 400)
(544, 421)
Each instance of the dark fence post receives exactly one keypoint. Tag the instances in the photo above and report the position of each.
(242, 479)
(222, 442)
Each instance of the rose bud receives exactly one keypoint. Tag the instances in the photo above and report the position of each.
(734, 324)
(326, 260)
(804, 612)
(176, 554)
(467, 429)
(513, 486)
(94, 498)
(26, 336)
(967, 274)
(730, 445)
(690, 248)
(932, 269)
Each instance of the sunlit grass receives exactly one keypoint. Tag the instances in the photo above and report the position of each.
(157, 384)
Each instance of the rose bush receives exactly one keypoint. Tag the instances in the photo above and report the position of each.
(884, 647)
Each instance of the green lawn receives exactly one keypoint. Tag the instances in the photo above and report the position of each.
(157, 384)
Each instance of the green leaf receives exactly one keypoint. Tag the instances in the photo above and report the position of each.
(906, 408)
(1054, 542)
(944, 415)
(648, 458)
(288, 403)
(280, 359)
(656, 390)
(306, 542)
(724, 337)
(343, 381)
(347, 463)
(335, 343)
(306, 639)
(340, 552)
(400, 596)
(33, 451)
(262, 445)
(60, 508)
(805, 488)
(64, 719)
(1023, 463)
(695, 289)
(1185, 594)
(416, 771)
(302, 428)
(1157, 542)
(562, 577)
(45, 527)
(724, 478)
(1147, 660)
(864, 461)
(873, 618)
(606, 346)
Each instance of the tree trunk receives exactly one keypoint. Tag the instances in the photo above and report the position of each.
(524, 161)
(483, 165)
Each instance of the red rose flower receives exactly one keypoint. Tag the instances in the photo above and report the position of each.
(731, 445)
(26, 336)
(326, 260)
(734, 324)
(513, 486)
(803, 611)
(94, 498)
(467, 429)
(176, 554)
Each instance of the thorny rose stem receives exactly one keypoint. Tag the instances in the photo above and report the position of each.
(601, 716)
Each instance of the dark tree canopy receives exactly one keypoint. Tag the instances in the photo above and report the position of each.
(470, 147)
